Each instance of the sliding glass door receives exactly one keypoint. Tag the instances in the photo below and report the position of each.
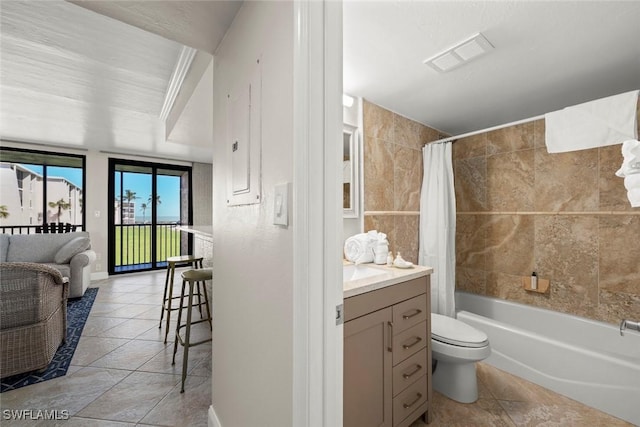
(148, 202)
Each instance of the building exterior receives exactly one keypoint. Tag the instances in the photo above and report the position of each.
(125, 212)
(22, 194)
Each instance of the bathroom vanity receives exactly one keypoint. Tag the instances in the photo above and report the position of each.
(387, 346)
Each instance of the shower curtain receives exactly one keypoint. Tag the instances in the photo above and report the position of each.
(438, 225)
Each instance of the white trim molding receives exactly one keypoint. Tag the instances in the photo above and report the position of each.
(177, 78)
(317, 214)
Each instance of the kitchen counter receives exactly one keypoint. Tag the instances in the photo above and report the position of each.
(202, 241)
(388, 276)
(203, 231)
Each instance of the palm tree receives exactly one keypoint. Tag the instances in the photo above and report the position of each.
(4, 211)
(144, 209)
(129, 195)
(60, 205)
(157, 201)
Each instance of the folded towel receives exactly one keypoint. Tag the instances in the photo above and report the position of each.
(631, 158)
(598, 123)
(632, 181)
(359, 248)
(634, 197)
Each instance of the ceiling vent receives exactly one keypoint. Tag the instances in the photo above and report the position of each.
(458, 55)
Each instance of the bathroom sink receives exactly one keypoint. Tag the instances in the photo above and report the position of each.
(355, 272)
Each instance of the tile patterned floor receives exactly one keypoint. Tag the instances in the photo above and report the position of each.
(121, 375)
(121, 372)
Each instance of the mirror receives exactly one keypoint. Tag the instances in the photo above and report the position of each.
(350, 168)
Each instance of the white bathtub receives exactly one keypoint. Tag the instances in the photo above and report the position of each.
(583, 359)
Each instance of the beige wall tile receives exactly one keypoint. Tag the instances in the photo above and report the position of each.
(510, 181)
(378, 122)
(471, 237)
(407, 178)
(512, 138)
(471, 280)
(566, 181)
(539, 129)
(378, 175)
(471, 146)
(470, 177)
(510, 244)
(566, 252)
(407, 236)
(613, 194)
(620, 253)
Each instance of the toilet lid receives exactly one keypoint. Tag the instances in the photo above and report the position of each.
(452, 331)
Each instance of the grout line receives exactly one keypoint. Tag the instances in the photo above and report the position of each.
(572, 213)
(383, 213)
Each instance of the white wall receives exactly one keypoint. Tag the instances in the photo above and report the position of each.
(253, 284)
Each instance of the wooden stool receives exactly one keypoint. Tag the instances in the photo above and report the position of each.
(172, 263)
(191, 277)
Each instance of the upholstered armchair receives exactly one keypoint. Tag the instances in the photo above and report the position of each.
(33, 316)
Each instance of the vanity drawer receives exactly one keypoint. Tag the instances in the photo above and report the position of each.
(409, 371)
(409, 342)
(409, 400)
(409, 313)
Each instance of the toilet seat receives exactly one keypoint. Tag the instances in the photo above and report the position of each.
(451, 331)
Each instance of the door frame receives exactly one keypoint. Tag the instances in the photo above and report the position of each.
(111, 237)
(317, 224)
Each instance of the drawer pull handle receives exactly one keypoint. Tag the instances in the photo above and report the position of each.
(409, 405)
(409, 316)
(408, 375)
(408, 346)
(390, 343)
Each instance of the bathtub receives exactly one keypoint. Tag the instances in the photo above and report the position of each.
(583, 359)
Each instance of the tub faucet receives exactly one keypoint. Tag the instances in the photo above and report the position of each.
(629, 324)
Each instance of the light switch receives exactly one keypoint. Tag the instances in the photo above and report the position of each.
(280, 204)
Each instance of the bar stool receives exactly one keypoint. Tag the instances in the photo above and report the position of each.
(191, 277)
(167, 299)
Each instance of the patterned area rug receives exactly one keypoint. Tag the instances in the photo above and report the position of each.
(77, 312)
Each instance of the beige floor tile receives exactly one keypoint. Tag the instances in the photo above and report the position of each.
(130, 356)
(129, 311)
(104, 308)
(70, 392)
(540, 414)
(183, 409)
(91, 349)
(448, 413)
(95, 325)
(130, 328)
(161, 363)
(131, 399)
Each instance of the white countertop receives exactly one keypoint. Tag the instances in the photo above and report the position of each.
(390, 276)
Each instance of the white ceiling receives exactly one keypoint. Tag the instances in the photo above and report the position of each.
(548, 55)
(73, 77)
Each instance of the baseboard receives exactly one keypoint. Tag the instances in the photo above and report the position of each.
(213, 418)
(101, 275)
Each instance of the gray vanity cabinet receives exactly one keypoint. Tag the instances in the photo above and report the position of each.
(387, 356)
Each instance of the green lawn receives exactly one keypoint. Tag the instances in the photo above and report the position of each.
(136, 244)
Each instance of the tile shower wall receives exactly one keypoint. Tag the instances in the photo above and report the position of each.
(565, 215)
(392, 165)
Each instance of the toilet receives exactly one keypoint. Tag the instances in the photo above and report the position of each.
(457, 347)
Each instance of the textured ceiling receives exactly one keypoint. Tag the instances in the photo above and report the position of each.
(548, 55)
(72, 77)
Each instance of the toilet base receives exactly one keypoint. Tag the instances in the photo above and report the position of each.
(457, 381)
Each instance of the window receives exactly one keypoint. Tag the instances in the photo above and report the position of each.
(49, 184)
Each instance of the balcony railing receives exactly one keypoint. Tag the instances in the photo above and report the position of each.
(133, 245)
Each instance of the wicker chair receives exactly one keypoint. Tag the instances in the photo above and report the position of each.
(33, 316)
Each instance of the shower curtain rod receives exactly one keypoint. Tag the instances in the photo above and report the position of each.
(475, 132)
